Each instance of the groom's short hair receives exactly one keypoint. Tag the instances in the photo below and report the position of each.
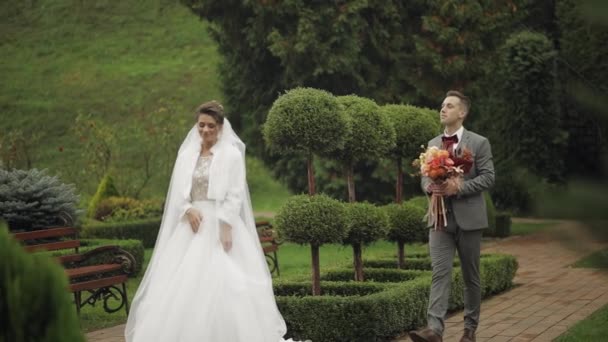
(463, 99)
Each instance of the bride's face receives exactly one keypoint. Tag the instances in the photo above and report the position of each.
(208, 128)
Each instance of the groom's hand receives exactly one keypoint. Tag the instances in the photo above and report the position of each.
(452, 186)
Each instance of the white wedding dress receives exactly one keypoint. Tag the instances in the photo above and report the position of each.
(193, 290)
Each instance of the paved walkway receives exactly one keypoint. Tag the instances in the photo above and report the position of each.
(549, 296)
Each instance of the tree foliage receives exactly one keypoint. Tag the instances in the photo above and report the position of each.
(31, 199)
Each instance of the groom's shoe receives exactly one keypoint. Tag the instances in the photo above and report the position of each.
(425, 335)
(468, 336)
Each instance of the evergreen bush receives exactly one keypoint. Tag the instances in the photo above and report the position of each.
(31, 199)
(35, 304)
(105, 189)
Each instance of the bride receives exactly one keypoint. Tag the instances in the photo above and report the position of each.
(207, 279)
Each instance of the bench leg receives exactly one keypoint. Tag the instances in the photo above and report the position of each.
(77, 298)
(126, 298)
(276, 263)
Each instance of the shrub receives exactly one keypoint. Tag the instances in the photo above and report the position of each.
(105, 189)
(34, 302)
(144, 230)
(365, 223)
(370, 136)
(31, 199)
(414, 127)
(406, 225)
(305, 120)
(107, 206)
(313, 220)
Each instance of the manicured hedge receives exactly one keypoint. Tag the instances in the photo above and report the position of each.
(394, 302)
(417, 261)
(143, 230)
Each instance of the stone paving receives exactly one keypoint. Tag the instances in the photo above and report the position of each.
(549, 296)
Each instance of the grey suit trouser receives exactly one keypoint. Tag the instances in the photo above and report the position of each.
(442, 246)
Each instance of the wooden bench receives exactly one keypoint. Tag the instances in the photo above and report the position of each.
(99, 280)
(270, 245)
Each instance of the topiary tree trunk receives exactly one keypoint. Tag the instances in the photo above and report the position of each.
(311, 174)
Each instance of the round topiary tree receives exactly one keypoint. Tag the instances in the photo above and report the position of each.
(407, 225)
(366, 223)
(34, 305)
(305, 120)
(370, 136)
(313, 220)
(414, 128)
(31, 199)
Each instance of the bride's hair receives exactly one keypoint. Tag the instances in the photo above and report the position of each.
(213, 109)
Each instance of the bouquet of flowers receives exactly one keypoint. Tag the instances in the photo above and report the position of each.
(439, 166)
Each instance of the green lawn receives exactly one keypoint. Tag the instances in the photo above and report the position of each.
(119, 61)
(294, 261)
(598, 259)
(593, 328)
(527, 228)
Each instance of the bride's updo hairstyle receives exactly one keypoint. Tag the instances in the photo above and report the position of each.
(213, 109)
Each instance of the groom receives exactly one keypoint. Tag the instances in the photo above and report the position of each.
(466, 218)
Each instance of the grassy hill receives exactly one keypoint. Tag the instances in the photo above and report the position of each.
(127, 65)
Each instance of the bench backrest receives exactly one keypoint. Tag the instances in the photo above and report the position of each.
(68, 235)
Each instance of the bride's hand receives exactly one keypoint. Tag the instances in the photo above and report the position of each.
(195, 218)
(226, 236)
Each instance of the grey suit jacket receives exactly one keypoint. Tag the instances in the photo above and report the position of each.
(469, 205)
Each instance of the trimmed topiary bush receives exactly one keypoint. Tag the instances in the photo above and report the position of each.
(313, 220)
(370, 136)
(31, 199)
(35, 304)
(414, 127)
(407, 225)
(365, 223)
(145, 230)
(105, 189)
(305, 120)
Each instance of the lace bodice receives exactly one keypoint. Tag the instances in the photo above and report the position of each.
(200, 179)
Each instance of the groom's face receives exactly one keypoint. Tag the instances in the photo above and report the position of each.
(452, 111)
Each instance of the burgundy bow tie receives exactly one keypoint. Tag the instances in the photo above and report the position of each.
(450, 140)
